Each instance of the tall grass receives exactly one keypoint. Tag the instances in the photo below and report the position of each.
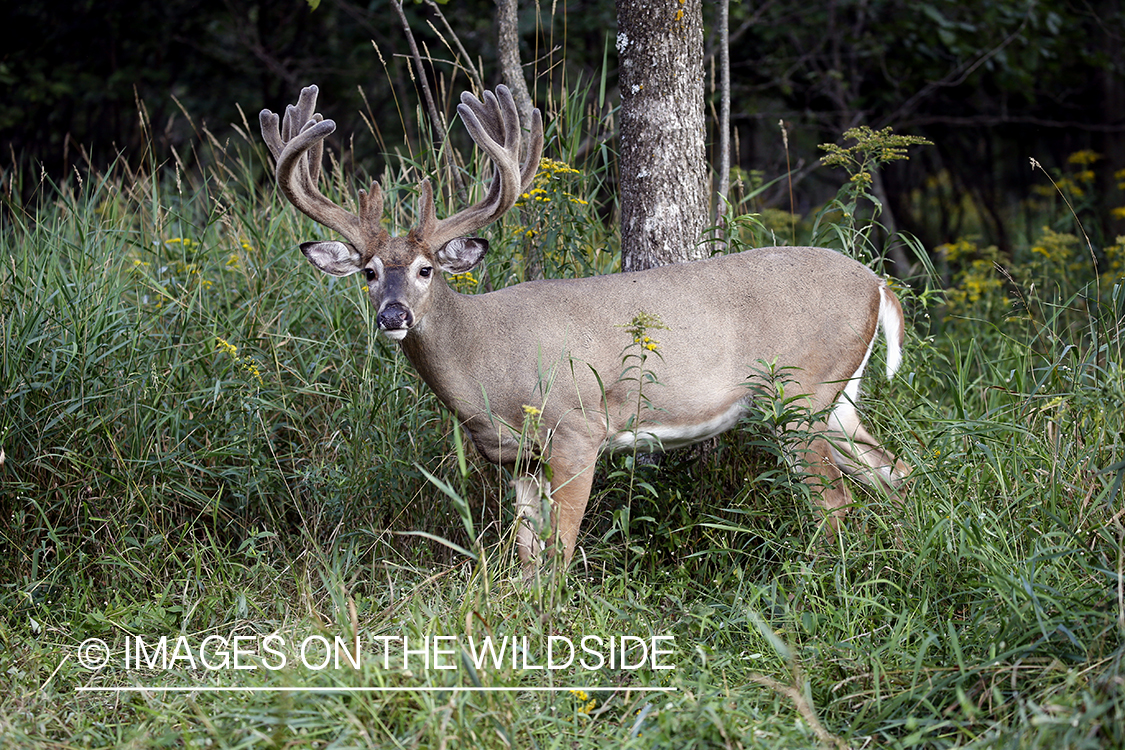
(203, 436)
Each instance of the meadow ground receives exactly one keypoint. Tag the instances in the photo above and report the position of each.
(204, 441)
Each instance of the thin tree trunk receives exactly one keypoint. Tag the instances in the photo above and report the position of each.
(724, 117)
(900, 264)
(508, 28)
(507, 22)
(465, 59)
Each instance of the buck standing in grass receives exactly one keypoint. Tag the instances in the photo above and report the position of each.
(543, 359)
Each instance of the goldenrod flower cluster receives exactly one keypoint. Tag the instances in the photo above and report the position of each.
(588, 704)
(978, 278)
(464, 281)
(639, 327)
(549, 171)
(246, 364)
(1083, 158)
(1079, 184)
(1115, 254)
(871, 149)
(533, 417)
(1056, 247)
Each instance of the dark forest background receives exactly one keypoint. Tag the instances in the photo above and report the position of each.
(991, 83)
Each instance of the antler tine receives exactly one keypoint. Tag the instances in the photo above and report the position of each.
(495, 127)
(298, 148)
(534, 151)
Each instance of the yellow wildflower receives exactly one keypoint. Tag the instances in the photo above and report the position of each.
(1083, 157)
(247, 364)
(977, 279)
(588, 703)
(1069, 185)
(552, 168)
(464, 281)
(1115, 254)
(955, 251)
(1056, 247)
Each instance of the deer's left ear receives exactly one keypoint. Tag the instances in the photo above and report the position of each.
(461, 254)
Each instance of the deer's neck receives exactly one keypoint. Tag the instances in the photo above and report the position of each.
(445, 345)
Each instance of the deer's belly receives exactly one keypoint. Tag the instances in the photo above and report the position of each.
(657, 436)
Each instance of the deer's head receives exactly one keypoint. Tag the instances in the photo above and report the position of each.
(401, 271)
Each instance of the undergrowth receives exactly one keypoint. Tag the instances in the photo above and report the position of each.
(201, 436)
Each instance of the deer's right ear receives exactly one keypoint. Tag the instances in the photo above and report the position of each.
(332, 257)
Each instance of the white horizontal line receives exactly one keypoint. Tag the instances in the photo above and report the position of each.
(420, 688)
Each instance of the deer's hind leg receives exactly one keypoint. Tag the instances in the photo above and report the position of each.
(825, 477)
(857, 453)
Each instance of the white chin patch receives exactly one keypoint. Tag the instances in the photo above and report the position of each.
(398, 334)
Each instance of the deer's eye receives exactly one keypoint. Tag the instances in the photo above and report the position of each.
(426, 271)
(370, 274)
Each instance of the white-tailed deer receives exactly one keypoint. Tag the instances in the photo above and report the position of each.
(558, 345)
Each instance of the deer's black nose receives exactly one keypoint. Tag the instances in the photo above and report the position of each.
(395, 316)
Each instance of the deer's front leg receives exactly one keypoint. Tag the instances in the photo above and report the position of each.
(533, 498)
(559, 502)
(571, 479)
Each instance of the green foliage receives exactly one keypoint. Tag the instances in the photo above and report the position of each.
(201, 436)
(871, 150)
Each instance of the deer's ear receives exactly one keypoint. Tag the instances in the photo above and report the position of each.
(461, 254)
(332, 257)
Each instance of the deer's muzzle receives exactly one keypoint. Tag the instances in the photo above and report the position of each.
(395, 317)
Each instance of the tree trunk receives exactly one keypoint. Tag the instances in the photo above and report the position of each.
(723, 192)
(664, 186)
(511, 70)
(508, 33)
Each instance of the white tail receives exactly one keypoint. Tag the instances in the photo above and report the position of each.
(552, 351)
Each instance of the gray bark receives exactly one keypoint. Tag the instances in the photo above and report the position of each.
(508, 23)
(664, 186)
(724, 113)
(508, 44)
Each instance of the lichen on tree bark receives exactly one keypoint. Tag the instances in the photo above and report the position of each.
(663, 173)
